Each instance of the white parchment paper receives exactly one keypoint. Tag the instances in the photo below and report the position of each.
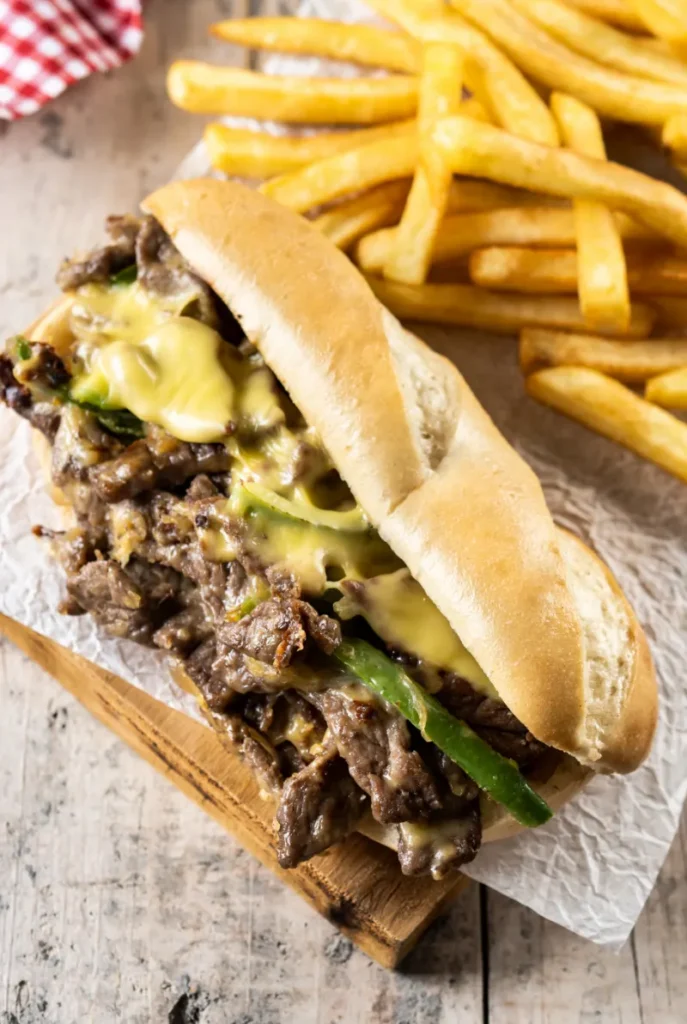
(591, 868)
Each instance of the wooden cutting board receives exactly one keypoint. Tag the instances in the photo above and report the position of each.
(357, 885)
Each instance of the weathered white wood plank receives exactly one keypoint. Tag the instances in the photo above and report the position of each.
(541, 974)
(660, 941)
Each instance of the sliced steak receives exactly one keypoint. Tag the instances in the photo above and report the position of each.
(79, 446)
(130, 602)
(156, 461)
(492, 720)
(162, 269)
(273, 632)
(99, 264)
(438, 847)
(320, 805)
(375, 743)
(44, 416)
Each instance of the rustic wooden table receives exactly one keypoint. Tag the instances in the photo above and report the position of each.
(120, 900)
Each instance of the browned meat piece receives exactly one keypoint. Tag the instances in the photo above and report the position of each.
(162, 269)
(325, 631)
(72, 548)
(519, 747)
(458, 790)
(273, 633)
(79, 446)
(101, 263)
(375, 742)
(319, 806)
(157, 460)
(461, 699)
(183, 632)
(438, 847)
(44, 373)
(492, 720)
(130, 602)
(44, 416)
(201, 487)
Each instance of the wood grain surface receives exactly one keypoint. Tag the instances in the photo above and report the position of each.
(120, 899)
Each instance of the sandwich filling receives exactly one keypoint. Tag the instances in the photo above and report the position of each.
(210, 522)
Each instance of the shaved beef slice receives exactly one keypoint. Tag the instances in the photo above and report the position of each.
(158, 460)
(44, 416)
(375, 743)
(100, 264)
(130, 602)
(319, 806)
(439, 846)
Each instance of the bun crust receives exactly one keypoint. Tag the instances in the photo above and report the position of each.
(542, 616)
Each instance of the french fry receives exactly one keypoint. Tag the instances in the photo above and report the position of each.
(619, 96)
(441, 86)
(205, 89)
(611, 409)
(480, 150)
(515, 103)
(349, 220)
(601, 270)
(615, 12)
(360, 44)
(345, 173)
(667, 19)
(669, 389)
(466, 306)
(630, 361)
(675, 136)
(554, 271)
(601, 43)
(672, 313)
(252, 154)
(459, 235)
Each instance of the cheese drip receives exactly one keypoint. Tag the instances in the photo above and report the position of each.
(136, 350)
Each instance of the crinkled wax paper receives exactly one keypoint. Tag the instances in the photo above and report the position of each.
(591, 868)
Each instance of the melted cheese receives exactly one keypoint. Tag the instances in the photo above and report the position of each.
(138, 354)
(309, 552)
(400, 612)
(173, 378)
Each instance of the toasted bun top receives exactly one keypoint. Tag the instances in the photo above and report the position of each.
(543, 618)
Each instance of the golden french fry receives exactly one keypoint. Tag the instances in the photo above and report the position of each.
(667, 19)
(612, 94)
(630, 361)
(345, 173)
(615, 12)
(669, 389)
(672, 313)
(675, 136)
(611, 409)
(474, 108)
(514, 102)
(338, 40)
(480, 150)
(349, 220)
(554, 271)
(600, 42)
(206, 89)
(441, 87)
(459, 235)
(601, 270)
(252, 154)
(466, 306)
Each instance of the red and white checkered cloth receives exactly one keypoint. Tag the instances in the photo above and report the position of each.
(46, 45)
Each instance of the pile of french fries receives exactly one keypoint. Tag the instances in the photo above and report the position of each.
(471, 184)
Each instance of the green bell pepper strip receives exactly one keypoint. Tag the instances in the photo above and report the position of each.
(126, 276)
(492, 772)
